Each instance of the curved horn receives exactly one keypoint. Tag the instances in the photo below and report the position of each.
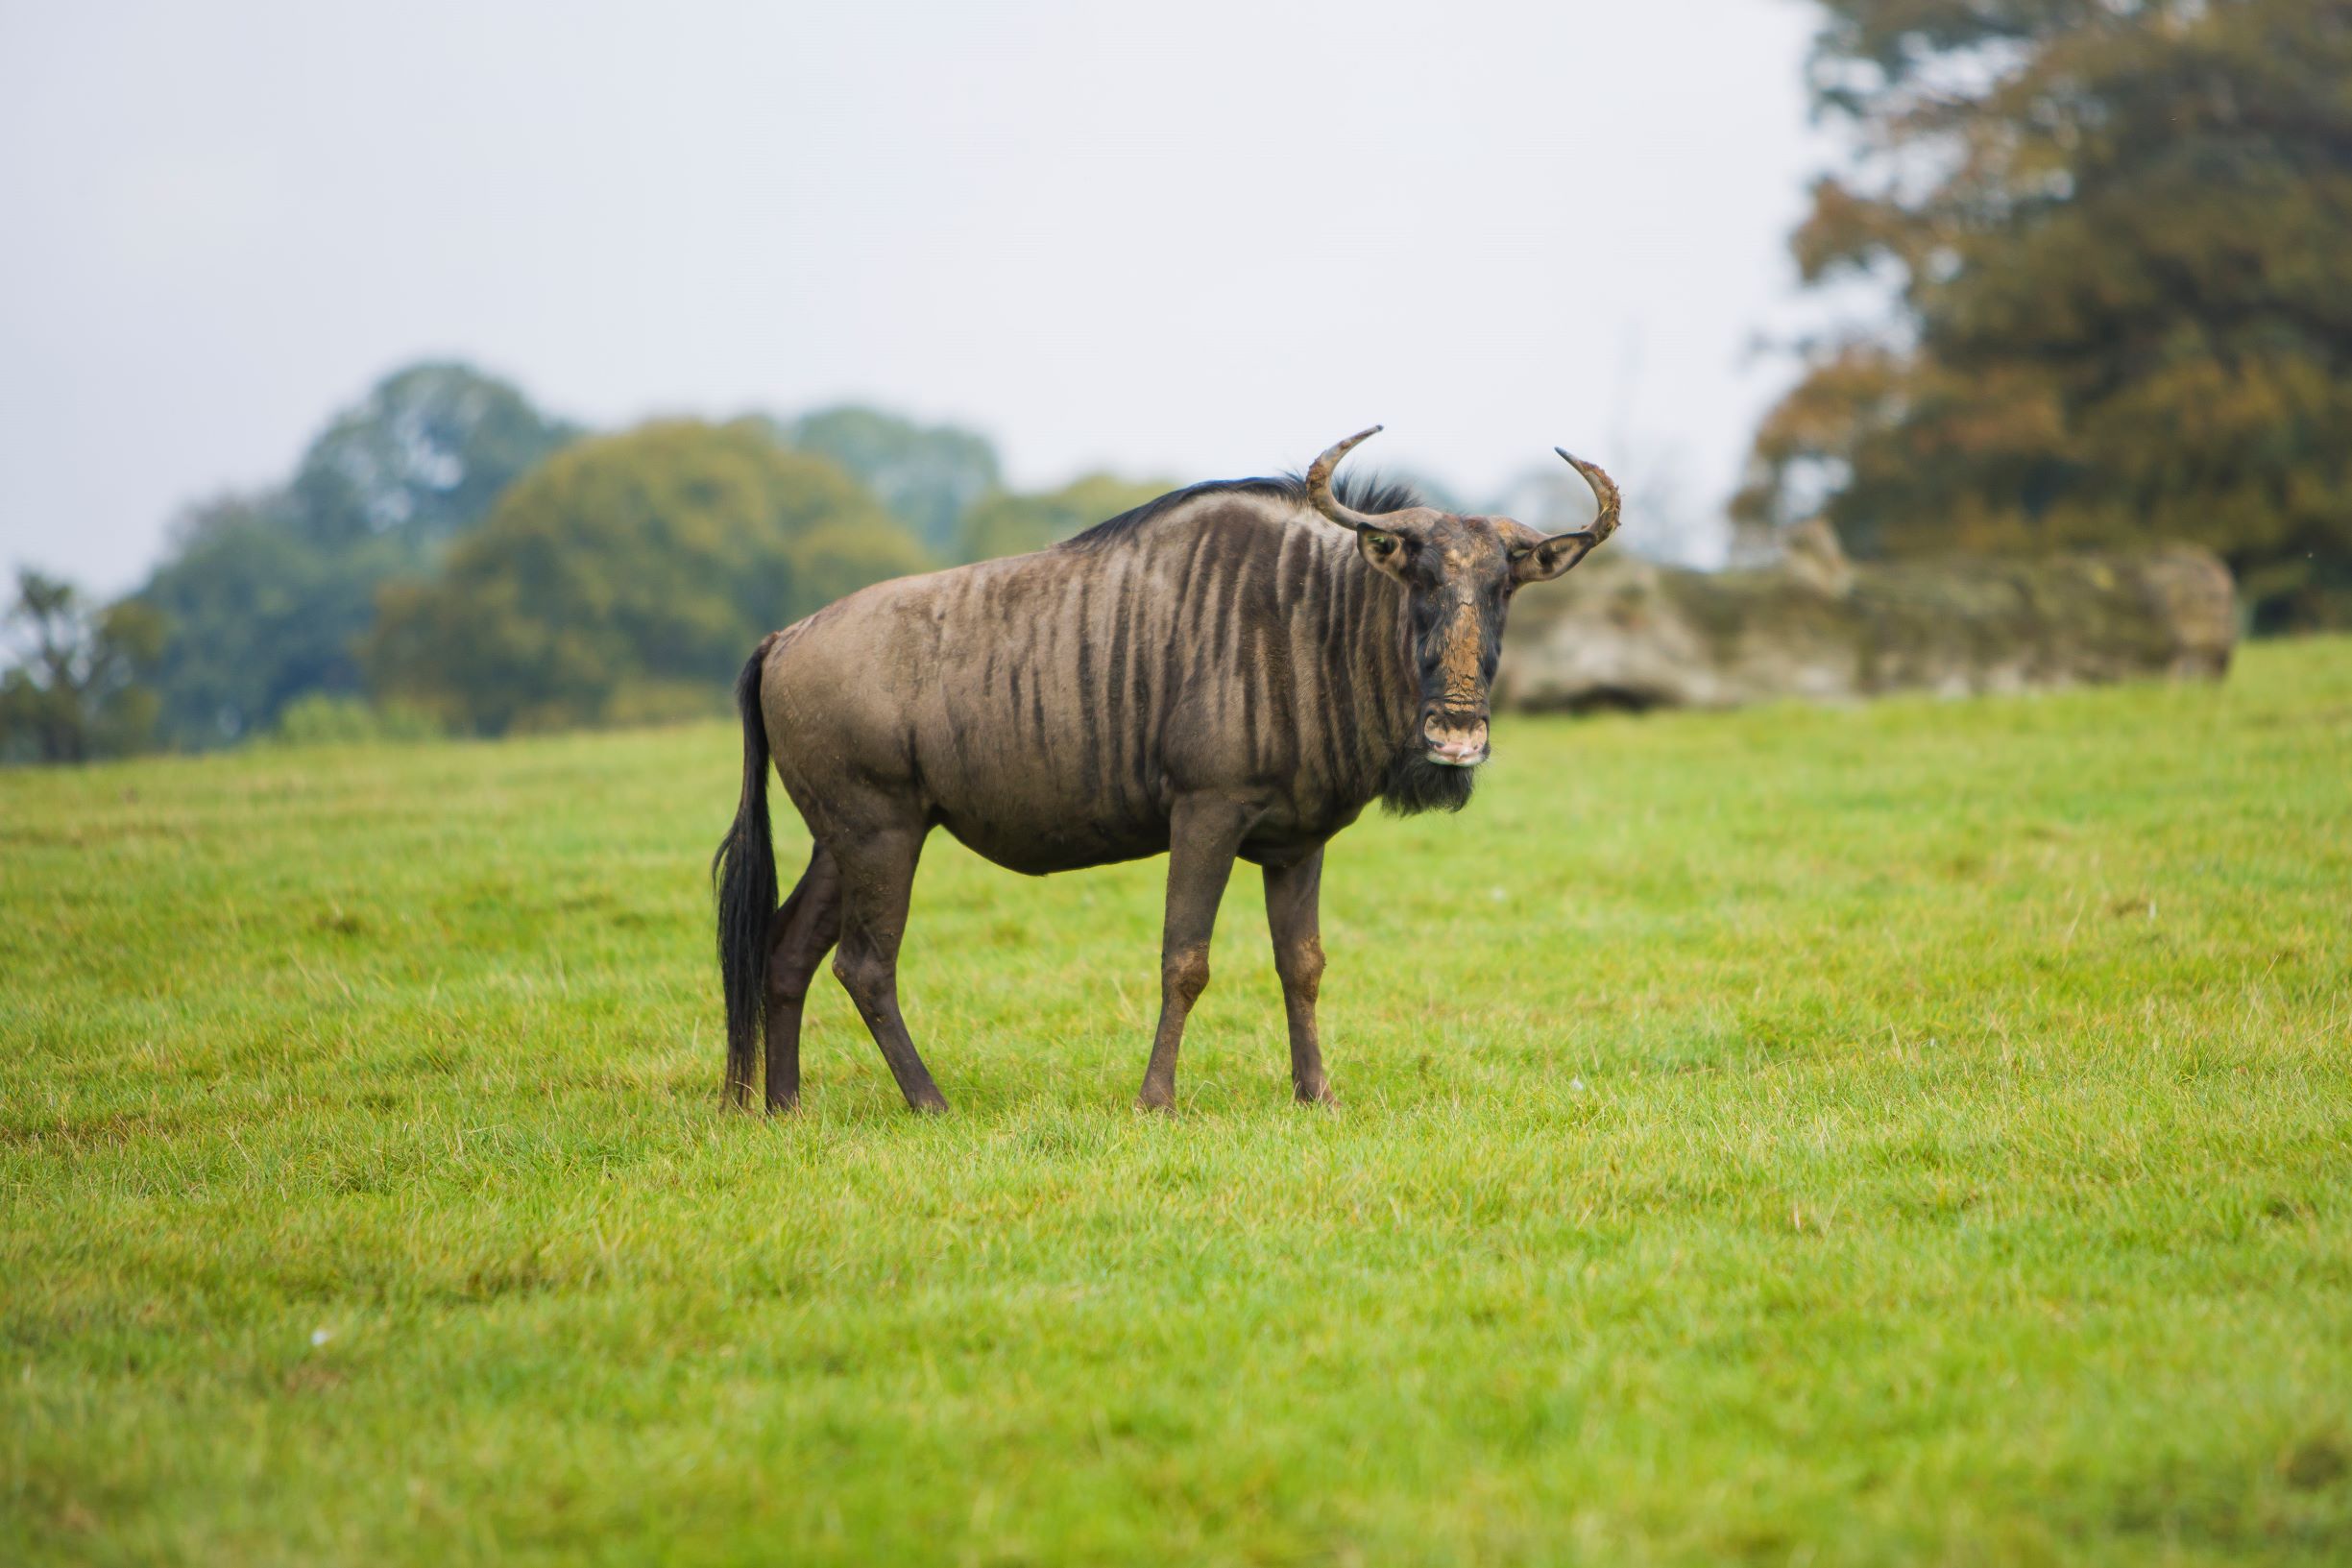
(1319, 485)
(1604, 495)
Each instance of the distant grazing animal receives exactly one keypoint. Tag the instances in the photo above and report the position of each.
(1214, 674)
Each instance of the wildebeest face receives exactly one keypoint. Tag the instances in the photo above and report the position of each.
(1458, 575)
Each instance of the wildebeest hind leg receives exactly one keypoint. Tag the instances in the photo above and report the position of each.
(877, 877)
(805, 931)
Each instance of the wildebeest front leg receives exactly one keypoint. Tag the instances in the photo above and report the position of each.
(877, 877)
(805, 931)
(1294, 899)
(1203, 836)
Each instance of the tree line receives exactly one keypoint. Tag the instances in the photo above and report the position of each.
(447, 557)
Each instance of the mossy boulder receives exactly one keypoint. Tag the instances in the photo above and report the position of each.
(1626, 633)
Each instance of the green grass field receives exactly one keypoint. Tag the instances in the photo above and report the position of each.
(1921, 1132)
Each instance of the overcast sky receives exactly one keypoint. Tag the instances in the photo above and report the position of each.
(1198, 239)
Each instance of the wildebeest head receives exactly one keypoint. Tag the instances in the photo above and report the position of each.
(1459, 573)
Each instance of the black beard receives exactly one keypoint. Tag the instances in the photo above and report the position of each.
(1416, 784)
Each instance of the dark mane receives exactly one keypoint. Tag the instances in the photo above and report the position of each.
(1365, 494)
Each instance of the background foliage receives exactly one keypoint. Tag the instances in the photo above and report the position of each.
(452, 557)
(264, 597)
(2121, 235)
(74, 690)
(628, 577)
(927, 475)
(1006, 523)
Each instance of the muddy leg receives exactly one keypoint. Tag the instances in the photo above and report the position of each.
(877, 877)
(1203, 836)
(1294, 897)
(804, 932)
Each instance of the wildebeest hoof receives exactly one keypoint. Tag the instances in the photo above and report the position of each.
(1157, 1105)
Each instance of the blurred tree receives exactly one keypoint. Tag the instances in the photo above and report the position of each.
(74, 690)
(628, 577)
(927, 475)
(266, 595)
(422, 456)
(1009, 523)
(2121, 231)
(260, 611)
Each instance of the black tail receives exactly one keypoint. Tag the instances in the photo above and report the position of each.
(743, 872)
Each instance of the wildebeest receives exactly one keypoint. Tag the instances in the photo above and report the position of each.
(1217, 675)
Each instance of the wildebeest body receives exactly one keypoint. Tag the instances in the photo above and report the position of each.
(1219, 675)
(1050, 709)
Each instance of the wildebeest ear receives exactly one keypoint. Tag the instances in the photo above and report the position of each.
(1543, 560)
(1535, 559)
(1386, 551)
